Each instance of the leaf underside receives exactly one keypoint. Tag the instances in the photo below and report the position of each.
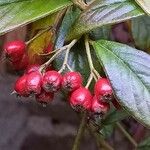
(129, 72)
(103, 12)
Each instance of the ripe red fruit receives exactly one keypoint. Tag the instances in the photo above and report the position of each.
(21, 64)
(34, 82)
(20, 86)
(14, 50)
(99, 107)
(81, 98)
(71, 81)
(44, 97)
(51, 81)
(104, 89)
(32, 68)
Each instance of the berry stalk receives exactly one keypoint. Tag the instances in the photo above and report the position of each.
(80, 132)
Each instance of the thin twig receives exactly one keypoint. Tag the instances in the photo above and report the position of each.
(101, 143)
(39, 34)
(80, 133)
(66, 47)
(126, 134)
(89, 80)
(80, 3)
(93, 70)
(65, 61)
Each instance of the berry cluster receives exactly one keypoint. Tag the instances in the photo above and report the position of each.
(44, 83)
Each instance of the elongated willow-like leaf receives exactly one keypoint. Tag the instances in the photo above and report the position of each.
(103, 12)
(129, 72)
(19, 13)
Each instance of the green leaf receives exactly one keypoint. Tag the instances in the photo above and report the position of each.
(144, 145)
(4, 2)
(69, 18)
(145, 5)
(114, 116)
(107, 130)
(101, 33)
(129, 72)
(141, 32)
(18, 14)
(103, 12)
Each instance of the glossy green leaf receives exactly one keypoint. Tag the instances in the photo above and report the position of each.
(101, 33)
(145, 4)
(141, 32)
(144, 145)
(69, 18)
(103, 12)
(4, 2)
(114, 116)
(107, 131)
(20, 13)
(129, 72)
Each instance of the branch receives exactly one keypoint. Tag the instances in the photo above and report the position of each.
(126, 134)
(80, 133)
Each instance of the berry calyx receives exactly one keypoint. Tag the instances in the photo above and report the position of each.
(51, 81)
(21, 64)
(44, 98)
(14, 50)
(34, 82)
(104, 89)
(99, 107)
(32, 68)
(81, 99)
(71, 81)
(20, 86)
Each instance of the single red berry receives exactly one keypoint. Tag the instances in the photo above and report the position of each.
(99, 107)
(104, 89)
(21, 64)
(34, 82)
(51, 81)
(14, 50)
(81, 98)
(71, 81)
(44, 97)
(20, 86)
(49, 48)
(32, 68)
(116, 104)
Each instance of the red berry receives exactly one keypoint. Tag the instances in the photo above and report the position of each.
(20, 86)
(49, 48)
(44, 97)
(32, 68)
(34, 82)
(81, 98)
(99, 107)
(104, 89)
(14, 50)
(21, 64)
(116, 104)
(51, 81)
(71, 81)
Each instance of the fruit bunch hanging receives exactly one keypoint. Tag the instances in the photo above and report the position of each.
(43, 82)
